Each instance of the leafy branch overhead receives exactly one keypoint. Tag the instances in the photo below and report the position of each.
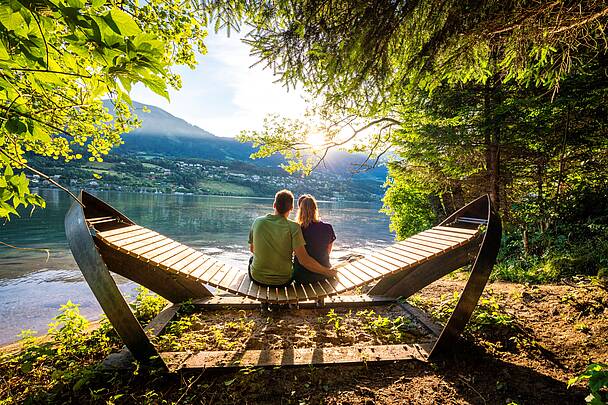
(58, 59)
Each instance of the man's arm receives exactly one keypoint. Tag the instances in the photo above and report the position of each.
(311, 264)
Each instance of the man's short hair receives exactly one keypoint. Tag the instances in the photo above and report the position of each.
(283, 201)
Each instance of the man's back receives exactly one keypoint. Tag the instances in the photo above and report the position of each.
(274, 238)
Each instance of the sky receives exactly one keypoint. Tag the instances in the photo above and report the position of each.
(223, 95)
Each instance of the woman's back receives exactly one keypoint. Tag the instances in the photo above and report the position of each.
(319, 236)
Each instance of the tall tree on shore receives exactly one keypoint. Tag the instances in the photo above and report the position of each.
(365, 59)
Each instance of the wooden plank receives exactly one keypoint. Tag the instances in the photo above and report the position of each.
(389, 267)
(235, 283)
(445, 236)
(195, 264)
(169, 255)
(258, 292)
(142, 243)
(301, 291)
(432, 241)
(138, 238)
(211, 272)
(245, 286)
(203, 268)
(344, 280)
(183, 263)
(360, 274)
(227, 275)
(153, 254)
(420, 248)
(107, 234)
(390, 260)
(218, 274)
(402, 259)
(310, 291)
(436, 245)
(457, 229)
(293, 292)
(349, 272)
(148, 248)
(184, 254)
(295, 357)
(329, 287)
(371, 273)
(136, 232)
(406, 253)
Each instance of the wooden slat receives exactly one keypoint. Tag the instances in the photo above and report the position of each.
(142, 243)
(183, 263)
(272, 294)
(134, 239)
(301, 291)
(352, 274)
(136, 232)
(424, 242)
(169, 254)
(206, 276)
(444, 236)
(389, 267)
(149, 248)
(293, 292)
(457, 229)
(246, 285)
(107, 234)
(228, 273)
(430, 239)
(402, 259)
(388, 259)
(310, 291)
(219, 276)
(360, 274)
(203, 268)
(187, 252)
(195, 264)
(295, 357)
(346, 282)
(151, 255)
(371, 273)
(329, 287)
(235, 283)
(422, 249)
(408, 252)
(257, 291)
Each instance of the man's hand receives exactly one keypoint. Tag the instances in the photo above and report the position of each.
(311, 264)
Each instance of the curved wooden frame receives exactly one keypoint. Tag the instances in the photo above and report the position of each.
(95, 257)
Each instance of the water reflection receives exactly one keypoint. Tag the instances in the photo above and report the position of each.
(32, 288)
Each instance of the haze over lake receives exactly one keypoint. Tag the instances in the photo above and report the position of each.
(32, 288)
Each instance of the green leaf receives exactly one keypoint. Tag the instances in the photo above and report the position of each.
(124, 22)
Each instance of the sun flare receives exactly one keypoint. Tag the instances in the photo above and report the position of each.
(316, 139)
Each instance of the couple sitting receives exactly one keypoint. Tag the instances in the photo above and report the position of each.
(274, 239)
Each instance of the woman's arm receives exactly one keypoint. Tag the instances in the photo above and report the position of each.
(330, 247)
(311, 264)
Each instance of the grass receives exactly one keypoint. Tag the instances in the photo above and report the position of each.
(224, 188)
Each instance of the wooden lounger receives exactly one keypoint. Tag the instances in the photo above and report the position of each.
(101, 239)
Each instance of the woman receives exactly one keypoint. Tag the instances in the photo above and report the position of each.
(319, 237)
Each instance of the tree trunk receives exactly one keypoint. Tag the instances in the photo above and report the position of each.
(492, 144)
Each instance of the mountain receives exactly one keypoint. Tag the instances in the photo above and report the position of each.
(162, 133)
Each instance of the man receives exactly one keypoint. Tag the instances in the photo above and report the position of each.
(273, 240)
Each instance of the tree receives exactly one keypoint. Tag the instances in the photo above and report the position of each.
(59, 58)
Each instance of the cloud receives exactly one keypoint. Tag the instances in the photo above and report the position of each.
(223, 95)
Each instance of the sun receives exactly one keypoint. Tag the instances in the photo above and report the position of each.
(316, 140)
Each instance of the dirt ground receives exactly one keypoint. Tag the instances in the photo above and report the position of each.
(544, 336)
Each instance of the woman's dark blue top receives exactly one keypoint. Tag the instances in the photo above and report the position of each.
(318, 237)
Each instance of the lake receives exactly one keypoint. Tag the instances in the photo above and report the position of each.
(32, 288)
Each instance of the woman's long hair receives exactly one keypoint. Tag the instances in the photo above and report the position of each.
(308, 211)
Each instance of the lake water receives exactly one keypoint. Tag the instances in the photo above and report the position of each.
(32, 288)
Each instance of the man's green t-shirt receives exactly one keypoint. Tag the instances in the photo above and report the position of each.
(274, 239)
